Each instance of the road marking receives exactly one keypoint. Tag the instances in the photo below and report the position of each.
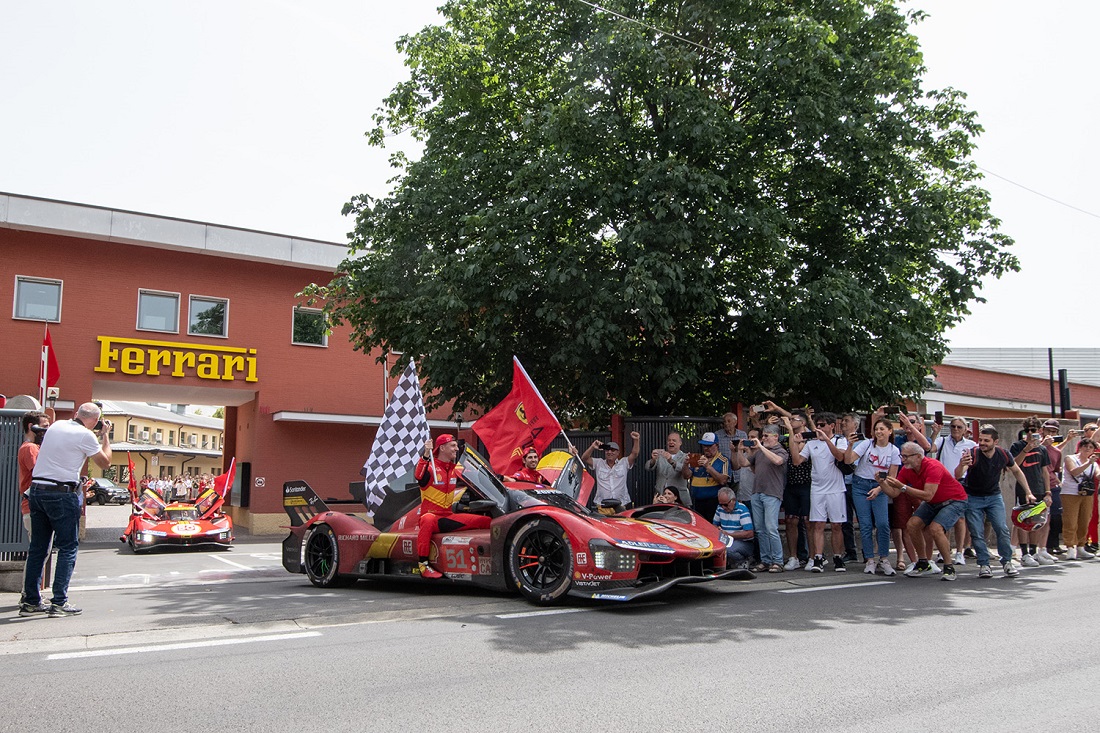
(181, 645)
(547, 612)
(555, 611)
(230, 562)
(837, 587)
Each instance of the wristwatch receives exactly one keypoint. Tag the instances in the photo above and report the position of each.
(904, 489)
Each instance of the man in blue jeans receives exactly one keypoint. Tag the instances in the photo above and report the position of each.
(55, 498)
(982, 469)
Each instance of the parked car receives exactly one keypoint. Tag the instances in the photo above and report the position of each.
(107, 492)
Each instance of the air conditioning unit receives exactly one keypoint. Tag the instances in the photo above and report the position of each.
(158, 438)
(194, 440)
(145, 435)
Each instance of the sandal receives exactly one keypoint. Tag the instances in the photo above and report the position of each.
(901, 566)
(775, 568)
(759, 567)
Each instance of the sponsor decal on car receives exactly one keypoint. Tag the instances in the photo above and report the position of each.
(587, 583)
(455, 540)
(592, 576)
(353, 537)
(582, 558)
(609, 597)
(407, 546)
(680, 537)
(646, 546)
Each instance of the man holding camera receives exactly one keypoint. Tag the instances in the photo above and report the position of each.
(611, 472)
(55, 500)
(1031, 456)
(708, 472)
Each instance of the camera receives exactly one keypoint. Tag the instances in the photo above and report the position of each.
(1058, 439)
(1036, 436)
(881, 475)
(39, 433)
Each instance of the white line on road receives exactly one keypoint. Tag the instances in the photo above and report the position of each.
(230, 562)
(837, 587)
(181, 645)
(555, 611)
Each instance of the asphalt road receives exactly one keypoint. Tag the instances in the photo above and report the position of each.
(184, 639)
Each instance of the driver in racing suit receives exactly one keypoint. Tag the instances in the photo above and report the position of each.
(529, 472)
(438, 489)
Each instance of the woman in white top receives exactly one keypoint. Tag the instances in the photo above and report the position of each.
(872, 456)
(1079, 479)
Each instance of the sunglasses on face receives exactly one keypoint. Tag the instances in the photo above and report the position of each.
(821, 424)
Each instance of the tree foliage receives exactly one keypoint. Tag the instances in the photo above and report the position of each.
(759, 198)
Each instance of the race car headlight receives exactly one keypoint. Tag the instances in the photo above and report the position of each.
(146, 537)
(606, 557)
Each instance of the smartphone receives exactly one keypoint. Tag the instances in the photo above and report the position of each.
(758, 408)
(1058, 439)
(881, 475)
(860, 436)
(899, 410)
(749, 443)
(809, 435)
(938, 417)
(1036, 436)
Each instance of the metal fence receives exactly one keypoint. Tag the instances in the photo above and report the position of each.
(654, 434)
(13, 541)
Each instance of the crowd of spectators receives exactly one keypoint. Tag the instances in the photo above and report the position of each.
(177, 488)
(934, 495)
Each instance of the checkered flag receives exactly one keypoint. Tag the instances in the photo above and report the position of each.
(399, 440)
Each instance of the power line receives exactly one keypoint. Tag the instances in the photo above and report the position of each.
(653, 28)
(1032, 190)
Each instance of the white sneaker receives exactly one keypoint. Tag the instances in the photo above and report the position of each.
(869, 566)
(1044, 557)
(809, 567)
(960, 559)
(909, 568)
(792, 564)
(1083, 554)
(885, 566)
(1071, 553)
(934, 568)
(1029, 561)
(1010, 569)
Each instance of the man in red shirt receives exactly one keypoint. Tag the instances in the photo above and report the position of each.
(943, 503)
(439, 489)
(529, 472)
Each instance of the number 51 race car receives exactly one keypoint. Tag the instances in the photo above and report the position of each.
(542, 540)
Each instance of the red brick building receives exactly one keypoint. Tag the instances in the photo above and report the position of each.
(152, 309)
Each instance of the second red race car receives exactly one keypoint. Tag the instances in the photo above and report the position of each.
(155, 523)
(542, 540)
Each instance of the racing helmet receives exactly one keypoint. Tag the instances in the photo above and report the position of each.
(1030, 517)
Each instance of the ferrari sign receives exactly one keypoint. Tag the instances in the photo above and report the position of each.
(175, 359)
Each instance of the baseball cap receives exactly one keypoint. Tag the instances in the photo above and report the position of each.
(611, 445)
(442, 440)
(708, 439)
(1052, 424)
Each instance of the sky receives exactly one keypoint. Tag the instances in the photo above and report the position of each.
(253, 114)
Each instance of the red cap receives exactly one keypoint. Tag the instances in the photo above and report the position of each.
(442, 440)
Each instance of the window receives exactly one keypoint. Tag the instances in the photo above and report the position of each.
(205, 442)
(309, 327)
(158, 311)
(171, 438)
(37, 299)
(130, 432)
(208, 317)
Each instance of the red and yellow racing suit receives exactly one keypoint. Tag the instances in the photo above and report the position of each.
(438, 491)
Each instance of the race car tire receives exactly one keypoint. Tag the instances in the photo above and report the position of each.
(322, 558)
(540, 561)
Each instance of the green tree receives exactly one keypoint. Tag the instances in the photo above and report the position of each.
(759, 198)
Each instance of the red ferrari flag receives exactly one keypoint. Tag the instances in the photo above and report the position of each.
(48, 371)
(133, 485)
(522, 419)
(223, 483)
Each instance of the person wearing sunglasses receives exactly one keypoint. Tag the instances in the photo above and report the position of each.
(828, 497)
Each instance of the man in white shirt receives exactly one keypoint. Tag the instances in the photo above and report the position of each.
(828, 498)
(611, 472)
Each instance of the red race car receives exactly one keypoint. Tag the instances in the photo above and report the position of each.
(154, 523)
(542, 540)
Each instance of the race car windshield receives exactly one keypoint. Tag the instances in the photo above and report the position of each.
(182, 514)
(549, 497)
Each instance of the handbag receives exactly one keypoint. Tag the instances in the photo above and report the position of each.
(1086, 482)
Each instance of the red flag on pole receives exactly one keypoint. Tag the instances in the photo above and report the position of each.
(223, 483)
(48, 372)
(522, 419)
(133, 485)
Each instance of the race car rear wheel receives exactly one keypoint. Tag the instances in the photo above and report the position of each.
(540, 561)
(323, 558)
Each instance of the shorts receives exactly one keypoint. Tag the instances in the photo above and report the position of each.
(946, 514)
(829, 508)
(901, 510)
(1037, 492)
(796, 501)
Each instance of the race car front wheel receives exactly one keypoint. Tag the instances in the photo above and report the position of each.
(323, 557)
(540, 561)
